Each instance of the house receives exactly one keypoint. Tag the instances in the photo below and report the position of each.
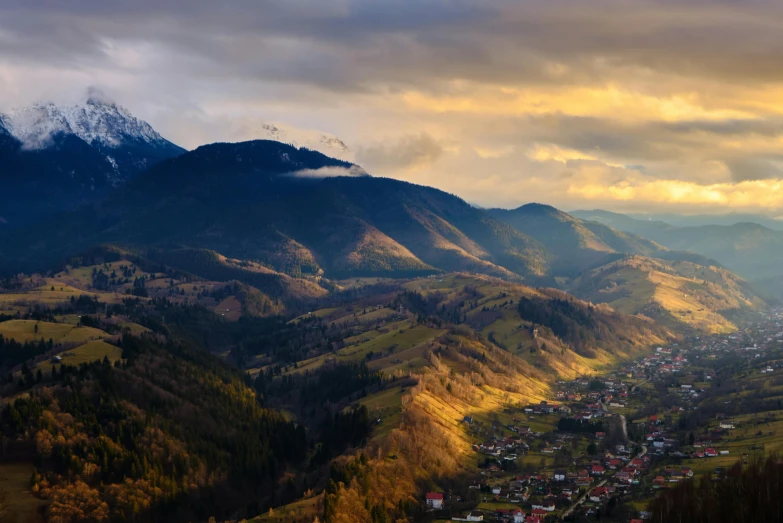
(710, 452)
(519, 516)
(475, 516)
(539, 512)
(597, 470)
(600, 435)
(727, 425)
(597, 494)
(659, 481)
(434, 500)
(560, 475)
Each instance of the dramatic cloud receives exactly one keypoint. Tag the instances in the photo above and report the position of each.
(642, 104)
(407, 152)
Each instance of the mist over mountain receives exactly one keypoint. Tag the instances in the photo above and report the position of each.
(697, 220)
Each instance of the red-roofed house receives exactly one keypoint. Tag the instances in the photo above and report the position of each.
(597, 470)
(434, 500)
(597, 494)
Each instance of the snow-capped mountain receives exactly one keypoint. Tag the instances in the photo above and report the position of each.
(96, 122)
(327, 144)
(55, 157)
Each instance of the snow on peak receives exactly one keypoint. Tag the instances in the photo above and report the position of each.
(98, 121)
(327, 144)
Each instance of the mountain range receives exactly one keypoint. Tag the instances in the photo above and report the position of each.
(269, 214)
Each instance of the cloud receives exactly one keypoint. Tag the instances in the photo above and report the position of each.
(329, 172)
(749, 169)
(409, 151)
(501, 102)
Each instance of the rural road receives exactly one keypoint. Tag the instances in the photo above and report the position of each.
(581, 499)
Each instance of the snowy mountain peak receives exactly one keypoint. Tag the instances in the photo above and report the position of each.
(311, 139)
(98, 121)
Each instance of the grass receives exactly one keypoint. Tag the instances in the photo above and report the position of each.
(230, 308)
(394, 339)
(89, 352)
(387, 405)
(134, 328)
(15, 481)
(25, 330)
(309, 507)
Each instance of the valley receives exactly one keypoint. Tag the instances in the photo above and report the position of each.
(399, 386)
(256, 331)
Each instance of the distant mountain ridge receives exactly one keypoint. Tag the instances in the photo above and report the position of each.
(575, 244)
(749, 249)
(55, 158)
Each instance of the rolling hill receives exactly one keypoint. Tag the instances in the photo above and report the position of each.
(674, 293)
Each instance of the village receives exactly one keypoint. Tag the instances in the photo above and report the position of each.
(602, 447)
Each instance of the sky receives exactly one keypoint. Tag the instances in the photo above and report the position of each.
(626, 105)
